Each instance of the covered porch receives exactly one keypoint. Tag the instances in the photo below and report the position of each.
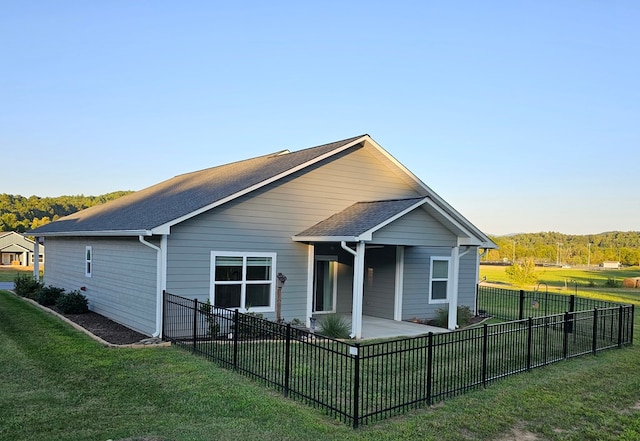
(360, 253)
(376, 327)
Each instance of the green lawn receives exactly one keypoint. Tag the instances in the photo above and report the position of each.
(9, 273)
(585, 283)
(57, 384)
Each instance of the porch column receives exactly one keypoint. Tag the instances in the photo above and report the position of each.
(36, 259)
(358, 289)
(453, 294)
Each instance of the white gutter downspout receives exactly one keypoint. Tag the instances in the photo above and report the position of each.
(452, 323)
(358, 286)
(160, 260)
(36, 259)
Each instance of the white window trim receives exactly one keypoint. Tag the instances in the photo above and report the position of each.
(244, 282)
(432, 279)
(334, 288)
(88, 263)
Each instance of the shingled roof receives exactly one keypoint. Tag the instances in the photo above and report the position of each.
(187, 194)
(359, 219)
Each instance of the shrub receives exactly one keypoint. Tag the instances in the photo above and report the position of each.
(213, 327)
(48, 295)
(464, 316)
(612, 283)
(335, 326)
(26, 285)
(73, 303)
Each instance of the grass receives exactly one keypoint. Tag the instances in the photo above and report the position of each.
(8, 273)
(60, 385)
(573, 281)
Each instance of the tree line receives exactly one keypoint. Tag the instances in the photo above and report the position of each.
(566, 249)
(20, 214)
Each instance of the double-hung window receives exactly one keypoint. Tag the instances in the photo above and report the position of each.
(439, 279)
(243, 280)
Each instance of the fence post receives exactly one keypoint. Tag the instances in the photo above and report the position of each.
(529, 338)
(620, 327)
(485, 344)
(236, 328)
(565, 339)
(429, 366)
(572, 308)
(633, 313)
(195, 324)
(594, 343)
(356, 387)
(164, 313)
(287, 361)
(521, 313)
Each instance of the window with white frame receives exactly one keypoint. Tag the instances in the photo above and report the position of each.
(88, 262)
(439, 279)
(243, 280)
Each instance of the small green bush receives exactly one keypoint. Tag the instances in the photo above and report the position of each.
(335, 326)
(464, 317)
(48, 295)
(26, 285)
(612, 283)
(73, 302)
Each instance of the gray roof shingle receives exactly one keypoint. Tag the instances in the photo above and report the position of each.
(359, 218)
(184, 194)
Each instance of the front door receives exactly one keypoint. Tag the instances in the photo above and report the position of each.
(325, 284)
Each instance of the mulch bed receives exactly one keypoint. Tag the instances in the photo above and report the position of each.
(106, 329)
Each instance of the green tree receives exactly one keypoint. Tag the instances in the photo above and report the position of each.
(522, 273)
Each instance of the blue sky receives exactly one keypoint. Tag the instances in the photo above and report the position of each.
(525, 116)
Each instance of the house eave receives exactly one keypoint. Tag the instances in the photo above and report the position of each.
(313, 239)
(103, 233)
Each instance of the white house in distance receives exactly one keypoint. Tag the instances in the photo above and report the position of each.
(352, 229)
(16, 249)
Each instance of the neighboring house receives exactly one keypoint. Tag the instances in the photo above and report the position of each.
(610, 264)
(16, 249)
(350, 227)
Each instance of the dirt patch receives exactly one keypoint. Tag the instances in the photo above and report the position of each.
(106, 329)
(518, 434)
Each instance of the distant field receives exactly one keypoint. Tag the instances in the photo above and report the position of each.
(586, 283)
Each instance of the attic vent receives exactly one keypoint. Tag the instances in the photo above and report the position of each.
(283, 152)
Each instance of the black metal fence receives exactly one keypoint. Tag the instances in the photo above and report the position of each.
(358, 383)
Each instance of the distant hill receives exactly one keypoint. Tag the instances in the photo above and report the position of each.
(574, 250)
(20, 214)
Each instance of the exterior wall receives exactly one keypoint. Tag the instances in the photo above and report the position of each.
(417, 228)
(379, 282)
(416, 281)
(122, 285)
(267, 219)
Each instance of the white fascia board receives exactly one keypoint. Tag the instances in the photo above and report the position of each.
(327, 238)
(369, 233)
(168, 225)
(107, 233)
(488, 243)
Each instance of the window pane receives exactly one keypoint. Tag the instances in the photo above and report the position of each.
(439, 290)
(228, 268)
(227, 296)
(258, 268)
(440, 269)
(258, 295)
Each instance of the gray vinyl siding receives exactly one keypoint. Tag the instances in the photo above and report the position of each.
(416, 281)
(266, 220)
(344, 302)
(467, 281)
(379, 283)
(416, 228)
(122, 285)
